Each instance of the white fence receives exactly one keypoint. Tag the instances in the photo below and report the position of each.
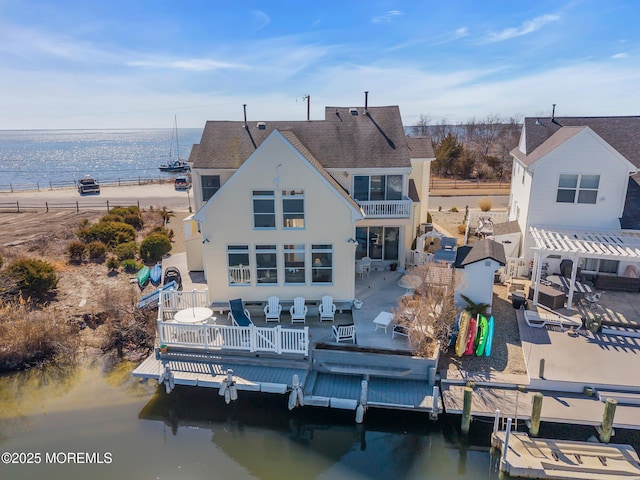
(415, 257)
(249, 339)
(386, 208)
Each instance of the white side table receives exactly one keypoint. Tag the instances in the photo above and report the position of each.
(383, 320)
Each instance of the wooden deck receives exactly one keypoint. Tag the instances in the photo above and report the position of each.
(542, 458)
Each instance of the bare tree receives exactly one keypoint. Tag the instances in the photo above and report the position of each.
(429, 314)
(421, 127)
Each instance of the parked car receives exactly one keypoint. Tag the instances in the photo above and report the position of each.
(182, 183)
(88, 185)
(172, 274)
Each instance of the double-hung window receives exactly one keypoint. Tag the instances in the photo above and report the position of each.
(210, 185)
(321, 263)
(264, 212)
(292, 208)
(238, 260)
(266, 264)
(578, 188)
(294, 264)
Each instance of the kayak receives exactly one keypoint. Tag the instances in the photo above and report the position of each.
(454, 332)
(143, 276)
(156, 274)
(463, 333)
(473, 328)
(490, 328)
(481, 337)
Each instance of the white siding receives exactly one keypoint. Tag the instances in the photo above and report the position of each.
(476, 282)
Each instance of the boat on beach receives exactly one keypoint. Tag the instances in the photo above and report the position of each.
(177, 165)
(143, 276)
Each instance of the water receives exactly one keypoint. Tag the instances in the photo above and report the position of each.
(193, 434)
(43, 156)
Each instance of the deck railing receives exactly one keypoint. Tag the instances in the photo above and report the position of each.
(224, 337)
(386, 208)
(172, 300)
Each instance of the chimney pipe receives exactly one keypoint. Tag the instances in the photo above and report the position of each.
(244, 106)
(366, 100)
(553, 112)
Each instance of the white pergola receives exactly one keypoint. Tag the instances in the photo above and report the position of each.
(575, 244)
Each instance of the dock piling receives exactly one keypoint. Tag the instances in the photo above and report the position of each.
(606, 431)
(505, 446)
(536, 409)
(466, 410)
(496, 422)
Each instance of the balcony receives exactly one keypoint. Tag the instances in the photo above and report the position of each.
(386, 208)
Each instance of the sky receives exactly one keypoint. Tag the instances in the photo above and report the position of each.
(138, 63)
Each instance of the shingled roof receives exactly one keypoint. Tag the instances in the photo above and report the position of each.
(371, 138)
(484, 250)
(622, 133)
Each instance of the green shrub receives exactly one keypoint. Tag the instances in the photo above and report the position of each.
(34, 278)
(135, 220)
(126, 251)
(453, 209)
(154, 247)
(109, 233)
(131, 266)
(112, 217)
(429, 218)
(76, 251)
(164, 231)
(113, 264)
(84, 223)
(97, 250)
(124, 211)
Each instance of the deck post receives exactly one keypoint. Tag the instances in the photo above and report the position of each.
(363, 402)
(536, 409)
(541, 369)
(606, 431)
(466, 410)
(505, 445)
(496, 421)
(434, 406)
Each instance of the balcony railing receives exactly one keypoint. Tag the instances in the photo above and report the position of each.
(386, 208)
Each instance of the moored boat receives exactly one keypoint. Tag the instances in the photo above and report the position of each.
(177, 165)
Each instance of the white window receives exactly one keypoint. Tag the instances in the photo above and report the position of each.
(597, 265)
(239, 269)
(292, 208)
(294, 264)
(321, 263)
(264, 213)
(377, 243)
(266, 264)
(210, 185)
(578, 188)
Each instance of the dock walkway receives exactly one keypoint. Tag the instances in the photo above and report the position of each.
(558, 459)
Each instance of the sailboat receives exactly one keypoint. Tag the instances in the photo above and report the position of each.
(177, 165)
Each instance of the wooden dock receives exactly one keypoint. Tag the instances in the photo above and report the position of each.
(559, 459)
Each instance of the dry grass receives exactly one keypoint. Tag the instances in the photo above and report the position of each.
(462, 228)
(30, 337)
(485, 204)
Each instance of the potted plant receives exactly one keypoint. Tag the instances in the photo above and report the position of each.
(164, 348)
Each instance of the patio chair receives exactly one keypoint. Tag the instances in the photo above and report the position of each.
(593, 299)
(366, 265)
(344, 332)
(238, 314)
(400, 330)
(359, 269)
(327, 308)
(273, 309)
(298, 310)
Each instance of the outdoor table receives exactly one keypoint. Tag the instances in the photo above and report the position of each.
(410, 282)
(383, 320)
(193, 315)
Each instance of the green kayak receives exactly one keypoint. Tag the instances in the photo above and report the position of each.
(143, 276)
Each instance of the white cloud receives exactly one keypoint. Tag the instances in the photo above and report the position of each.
(526, 28)
(194, 64)
(387, 17)
(261, 18)
(620, 55)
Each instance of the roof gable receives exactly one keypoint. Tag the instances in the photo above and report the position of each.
(484, 250)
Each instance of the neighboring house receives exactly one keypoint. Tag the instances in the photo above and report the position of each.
(572, 176)
(476, 266)
(285, 208)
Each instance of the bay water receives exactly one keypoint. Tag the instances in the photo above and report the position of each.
(50, 156)
(98, 422)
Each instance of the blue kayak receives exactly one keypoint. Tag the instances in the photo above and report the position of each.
(156, 274)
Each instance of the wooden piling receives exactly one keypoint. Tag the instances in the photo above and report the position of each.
(607, 420)
(536, 409)
(466, 410)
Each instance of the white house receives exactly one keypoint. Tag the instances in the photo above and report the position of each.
(285, 208)
(574, 195)
(476, 266)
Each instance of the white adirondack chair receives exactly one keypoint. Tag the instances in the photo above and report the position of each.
(327, 308)
(273, 309)
(298, 310)
(344, 332)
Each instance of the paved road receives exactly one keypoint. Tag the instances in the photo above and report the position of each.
(499, 202)
(154, 195)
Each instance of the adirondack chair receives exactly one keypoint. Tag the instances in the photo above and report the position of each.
(273, 309)
(344, 332)
(298, 310)
(238, 314)
(327, 308)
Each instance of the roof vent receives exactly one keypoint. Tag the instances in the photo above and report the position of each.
(261, 126)
(353, 111)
